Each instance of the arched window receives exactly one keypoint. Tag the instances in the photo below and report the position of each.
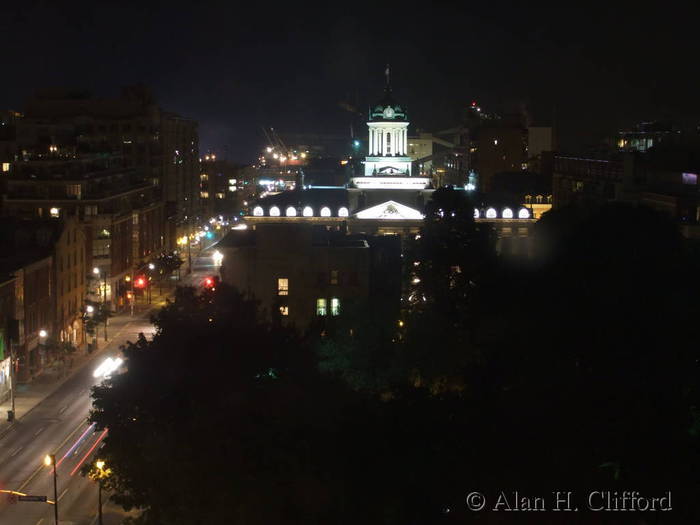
(258, 211)
(507, 213)
(308, 211)
(523, 213)
(549, 199)
(325, 211)
(274, 211)
(491, 213)
(342, 212)
(528, 199)
(538, 199)
(291, 211)
(476, 213)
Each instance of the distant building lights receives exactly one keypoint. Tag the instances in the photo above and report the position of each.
(491, 213)
(507, 213)
(325, 211)
(274, 211)
(476, 213)
(308, 212)
(268, 149)
(258, 211)
(524, 213)
(343, 212)
(291, 211)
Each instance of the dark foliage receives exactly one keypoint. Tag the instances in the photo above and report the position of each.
(579, 373)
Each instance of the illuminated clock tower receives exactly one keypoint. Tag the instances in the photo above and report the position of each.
(387, 165)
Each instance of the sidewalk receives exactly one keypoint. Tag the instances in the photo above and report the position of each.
(28, 395)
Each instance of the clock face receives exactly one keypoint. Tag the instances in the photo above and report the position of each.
(389, 112)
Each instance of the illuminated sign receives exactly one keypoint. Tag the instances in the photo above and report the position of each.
(391, 183)
(391, 210)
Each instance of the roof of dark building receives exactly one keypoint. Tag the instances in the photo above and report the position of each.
(314, 197)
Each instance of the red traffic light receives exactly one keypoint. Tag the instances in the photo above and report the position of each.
(140, 282)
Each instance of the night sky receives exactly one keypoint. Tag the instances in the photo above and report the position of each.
(236, 68)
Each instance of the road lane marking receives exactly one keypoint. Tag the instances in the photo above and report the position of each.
(75, 445)
(16, 451)
(62, 410)
(62, 494)
(39, 431)
(42, 467)
(39, 522)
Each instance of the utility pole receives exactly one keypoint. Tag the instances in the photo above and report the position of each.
(11, 413)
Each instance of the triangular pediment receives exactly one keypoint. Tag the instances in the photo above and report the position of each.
(390, 210)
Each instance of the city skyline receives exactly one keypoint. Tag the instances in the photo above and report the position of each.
(235, 69)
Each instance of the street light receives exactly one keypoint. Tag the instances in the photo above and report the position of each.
(96, 271)
(43, 333)
(100, 475)
(50, 460)
(90, 309)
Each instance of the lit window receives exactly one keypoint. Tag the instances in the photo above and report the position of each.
(476, 213)
(308, 211)
(5, 167)
(284, 310)
(258, 211)
(220, 195)
(491, 213)
(539, 197)
(283, 286)
(320, 307)
(335, 306)
(343, 212)
(54, 212)
(334, 276)
(232, 181)
(204, 176)
(528, 199)
(204, 194)
(507, 213)
(523, 214)
(274, 211)
(325, 211)
(291, 211)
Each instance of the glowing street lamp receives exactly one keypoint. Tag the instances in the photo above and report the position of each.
(43, 333)
(101, 474)
(50, 461)
(218, 258)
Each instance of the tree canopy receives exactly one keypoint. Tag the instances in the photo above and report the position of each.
(572, 373)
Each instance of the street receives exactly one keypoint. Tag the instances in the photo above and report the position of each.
(58, 425)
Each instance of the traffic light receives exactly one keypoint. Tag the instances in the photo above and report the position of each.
(210, 282)
(140, 282)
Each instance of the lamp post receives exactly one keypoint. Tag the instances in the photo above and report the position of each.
(101, 474)
(50, 460)
(11, 412)
(130, 293)
(96, 271)
(43, 334)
